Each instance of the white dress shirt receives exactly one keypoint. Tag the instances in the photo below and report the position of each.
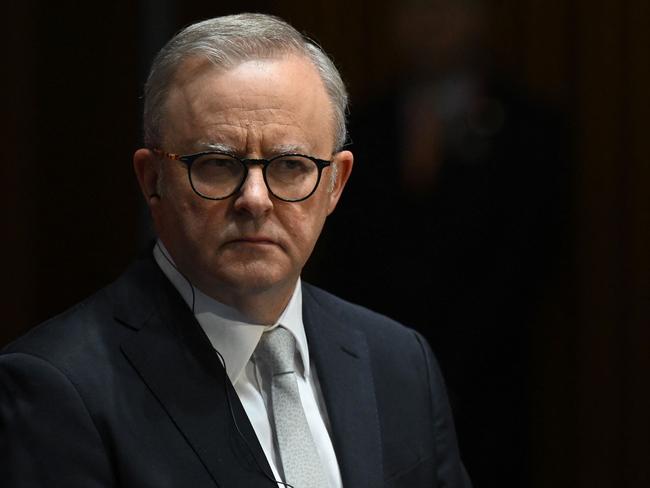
(236, 338)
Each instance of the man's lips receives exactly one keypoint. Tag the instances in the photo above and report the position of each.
(254, 240)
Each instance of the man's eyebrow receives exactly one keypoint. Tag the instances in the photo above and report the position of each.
(288, 149)
(274, 150)
(215, 146)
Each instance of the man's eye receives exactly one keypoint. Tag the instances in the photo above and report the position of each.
(216, 167)
(297, 165)
(219, 162)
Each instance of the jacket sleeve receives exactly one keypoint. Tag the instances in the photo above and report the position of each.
(47, 436)
(451, 472)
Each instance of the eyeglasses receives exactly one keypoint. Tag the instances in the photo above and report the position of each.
(217, 176)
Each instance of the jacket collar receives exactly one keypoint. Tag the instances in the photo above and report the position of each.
(341, 355)
(233, 334)
(173, 356)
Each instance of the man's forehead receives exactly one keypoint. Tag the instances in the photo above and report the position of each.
(291, 82)
(243, 137)
(194, 66)
(253, 93)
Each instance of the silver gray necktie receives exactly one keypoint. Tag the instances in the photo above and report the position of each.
(300, 462)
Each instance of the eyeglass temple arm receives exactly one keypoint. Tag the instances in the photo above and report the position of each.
(163, 154)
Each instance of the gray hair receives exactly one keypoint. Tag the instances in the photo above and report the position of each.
(226, 42)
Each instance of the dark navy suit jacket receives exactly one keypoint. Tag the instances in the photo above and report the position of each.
(125, 390)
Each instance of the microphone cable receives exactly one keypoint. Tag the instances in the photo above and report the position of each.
(225, 383)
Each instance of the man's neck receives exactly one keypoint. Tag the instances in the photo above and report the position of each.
(263, 307)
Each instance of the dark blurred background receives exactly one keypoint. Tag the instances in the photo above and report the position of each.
(499, 202)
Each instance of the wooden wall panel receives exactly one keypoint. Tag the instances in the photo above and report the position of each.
(600, 95)
(17, 204)
(70, 212)
(590, 347)
(636, 338)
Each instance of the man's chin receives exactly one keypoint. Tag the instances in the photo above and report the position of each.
(255, 278)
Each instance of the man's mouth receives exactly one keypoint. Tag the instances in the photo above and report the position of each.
(254, 240)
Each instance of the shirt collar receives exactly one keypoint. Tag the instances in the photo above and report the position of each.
(228, 330)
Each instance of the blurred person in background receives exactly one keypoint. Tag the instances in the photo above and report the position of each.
(463, 177)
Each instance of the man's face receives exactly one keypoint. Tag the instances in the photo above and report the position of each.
(251, 243)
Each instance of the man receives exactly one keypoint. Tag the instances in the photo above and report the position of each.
(210, 363)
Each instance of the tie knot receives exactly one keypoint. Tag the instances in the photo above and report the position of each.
(276, 349)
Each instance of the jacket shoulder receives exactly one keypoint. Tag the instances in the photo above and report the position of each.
(76, 325)
(89, 328)
(377, 327)
(98, 317)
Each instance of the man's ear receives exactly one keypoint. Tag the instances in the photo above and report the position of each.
(147, 170)
(343, 161)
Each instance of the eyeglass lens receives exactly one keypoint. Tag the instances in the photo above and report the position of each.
(288, 177)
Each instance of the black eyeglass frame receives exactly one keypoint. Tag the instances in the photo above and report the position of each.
(188, 160)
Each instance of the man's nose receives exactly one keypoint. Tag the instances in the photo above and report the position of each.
(253, 196)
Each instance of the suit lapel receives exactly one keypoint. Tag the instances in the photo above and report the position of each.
(341, 355)
(176, 361)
